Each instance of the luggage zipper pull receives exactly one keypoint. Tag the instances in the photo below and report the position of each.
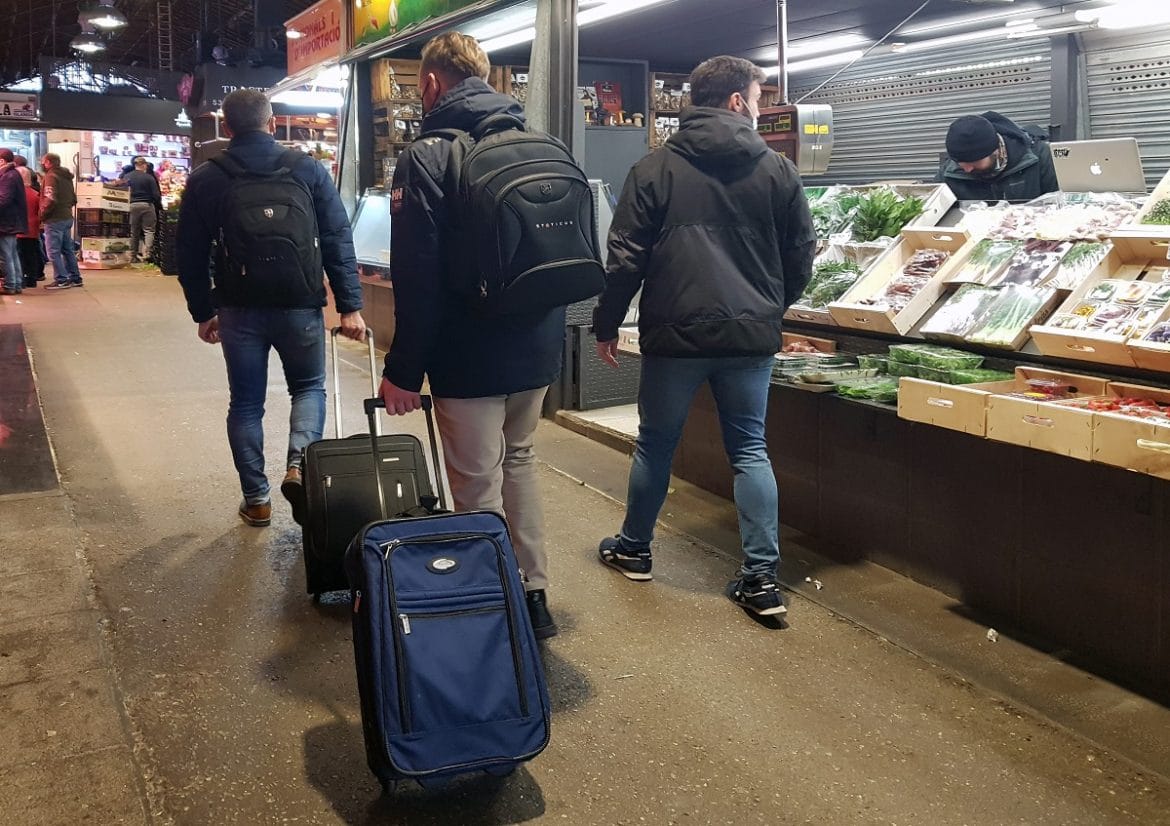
(405, 623)
(389, 547)
(357, 601)
(483, 289)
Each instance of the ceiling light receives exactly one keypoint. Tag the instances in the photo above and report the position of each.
(838, 59)
(586, 17)
(88, 41)
(293, 34)
(1127, 14)
(303, 99)
(960, 22)
(104, 16)
(823, 45)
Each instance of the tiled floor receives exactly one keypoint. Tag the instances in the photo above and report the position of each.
(623, 419)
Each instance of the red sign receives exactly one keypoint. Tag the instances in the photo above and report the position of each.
(314, 36)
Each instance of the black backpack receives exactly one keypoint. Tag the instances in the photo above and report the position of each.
(268, 251)
(523, 218)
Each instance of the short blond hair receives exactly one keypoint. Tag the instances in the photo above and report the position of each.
(456, 55)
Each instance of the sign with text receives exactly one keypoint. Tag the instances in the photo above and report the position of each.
(18, 106)
(314, 36)
(215, 82)
(375, 20)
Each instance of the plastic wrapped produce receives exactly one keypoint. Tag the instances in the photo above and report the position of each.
(910, 280)
(978, 376)
(987, 260)
(1035, 263)
(1159, 333)
(832, 277)
(1077, 264)
(961, 312)
(881, 389)
(1010, 315)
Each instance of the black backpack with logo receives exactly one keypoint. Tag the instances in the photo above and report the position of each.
(268, 251)
(523, 217)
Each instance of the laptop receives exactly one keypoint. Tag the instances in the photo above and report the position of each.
(1111, 165)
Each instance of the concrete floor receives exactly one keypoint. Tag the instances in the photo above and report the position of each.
(160, 663)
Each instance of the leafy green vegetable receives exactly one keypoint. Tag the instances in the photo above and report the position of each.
(1160, 214)
(830, 280)
(882, 214)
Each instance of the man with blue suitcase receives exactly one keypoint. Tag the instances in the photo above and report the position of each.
(485, 326)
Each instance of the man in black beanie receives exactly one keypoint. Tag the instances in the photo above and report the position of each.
(993, 159)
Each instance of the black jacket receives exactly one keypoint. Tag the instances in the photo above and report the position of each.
(1029, 172)
(716, 231)
(13, 205)
(438, 333)
(200, 216)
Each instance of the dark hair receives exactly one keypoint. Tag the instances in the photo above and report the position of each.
(247, 110)
(6, 155)
(53, 158)
(717, 79)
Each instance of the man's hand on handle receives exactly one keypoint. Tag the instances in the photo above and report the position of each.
(353, 326)
(607, 351)
(399, 402)
(209, 330)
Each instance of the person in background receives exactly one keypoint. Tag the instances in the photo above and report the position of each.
(992, 159)
(145, 202)
(715, 231)
(22, 163)
(13, 222)
(58, 197)
(28, 244)
(274, 308)
(488, 374)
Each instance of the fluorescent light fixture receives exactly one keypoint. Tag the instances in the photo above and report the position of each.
(839, 59)
(507, 40)
(954, 39)
(586, 17)
(824, 45)
(293, 34)
(1038, 32)
(961, 22)
(304, 99)
(1127, 14)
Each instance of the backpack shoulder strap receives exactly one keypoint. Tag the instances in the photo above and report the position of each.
(228, 164)
(288, 160)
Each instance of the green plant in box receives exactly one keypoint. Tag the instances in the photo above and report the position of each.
(882, 214)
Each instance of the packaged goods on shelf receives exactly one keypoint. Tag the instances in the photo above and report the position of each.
(984, 261)
(1058, 216)
(878, 389)
(832, 277)
(934, 356)
(1078, 263)
(1007, 320)
(961, 312)
(1034, 263)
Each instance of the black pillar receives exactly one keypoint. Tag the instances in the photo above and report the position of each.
(1065, 122)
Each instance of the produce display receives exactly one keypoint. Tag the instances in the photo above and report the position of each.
(800, 345)
(830, 280)
(960, 312)
(1009, 316)
(1127, 309)
(832, 209)
(1081, 259)
(1035, 263)
(878, 389)
(1128, 406)
(977, 376)
(910, 280)
(1160, 214)
(933, 356)
(883, 213)
(987, 260)
(1083, 216)
(1159, 333)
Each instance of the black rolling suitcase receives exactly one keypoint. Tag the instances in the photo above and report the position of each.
(340, 491)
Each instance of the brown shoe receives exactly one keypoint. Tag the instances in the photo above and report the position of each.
(257, 516)
(294, 491)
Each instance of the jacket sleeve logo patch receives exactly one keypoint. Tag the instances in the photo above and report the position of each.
(397, 199)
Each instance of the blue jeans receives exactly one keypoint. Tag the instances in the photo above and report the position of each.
(740, 387)
(298, 336)
(59, 242)
(13, 272)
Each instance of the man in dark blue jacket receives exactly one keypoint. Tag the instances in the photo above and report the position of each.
(715, 230)
(488, 374)
(284, 317)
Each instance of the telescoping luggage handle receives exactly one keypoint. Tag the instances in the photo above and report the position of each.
(372, 406)
(375, 378)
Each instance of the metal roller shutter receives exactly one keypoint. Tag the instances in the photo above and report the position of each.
(891, 113)
(1129, 96)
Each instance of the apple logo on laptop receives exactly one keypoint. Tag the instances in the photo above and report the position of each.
(1095, 168)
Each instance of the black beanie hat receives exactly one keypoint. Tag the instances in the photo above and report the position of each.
(971, 138)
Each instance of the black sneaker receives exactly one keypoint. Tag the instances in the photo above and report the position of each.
(633, 565)
(542, 621)
(760, 595)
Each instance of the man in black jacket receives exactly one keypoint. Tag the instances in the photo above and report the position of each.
(488, 373)
(715, 230)
(283, 313)
(13, 222)
(993, 159)
(145, 201)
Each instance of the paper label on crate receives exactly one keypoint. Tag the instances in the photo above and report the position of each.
(660, 84)
(521, 78)
(686, 87)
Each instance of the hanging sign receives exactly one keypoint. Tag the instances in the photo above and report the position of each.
(18, 106)
(314, 36)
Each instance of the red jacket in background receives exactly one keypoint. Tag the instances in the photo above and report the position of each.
(33, 198)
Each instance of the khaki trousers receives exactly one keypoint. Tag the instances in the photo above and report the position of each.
(491, 464)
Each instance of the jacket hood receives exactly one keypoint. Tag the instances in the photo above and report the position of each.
(1007, 128)
(717, 137)
(63, 172)
(468, 103)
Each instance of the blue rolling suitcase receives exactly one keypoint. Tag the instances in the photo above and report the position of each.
(449, 675)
